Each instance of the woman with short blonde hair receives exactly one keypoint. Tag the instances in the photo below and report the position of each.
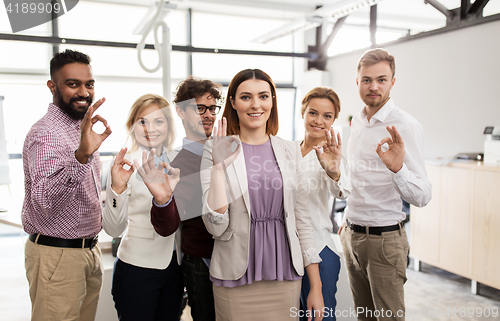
(326, 177)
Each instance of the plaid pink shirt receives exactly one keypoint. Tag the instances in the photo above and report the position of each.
(62, 196)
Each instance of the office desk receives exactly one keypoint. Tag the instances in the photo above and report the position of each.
(459, 230)
(9, 218)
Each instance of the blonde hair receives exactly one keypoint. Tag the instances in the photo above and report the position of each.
(374, 56)
(322, 92)
(144, 102)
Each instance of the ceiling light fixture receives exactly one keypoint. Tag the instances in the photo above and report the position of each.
(315, 18)
(301, 24)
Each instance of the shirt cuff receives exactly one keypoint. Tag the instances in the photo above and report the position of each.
(402, 176)
(89, 160)
(311, 256)
(217, 218)
(126, 192)
(76, 172)
(335, 187)
(164, 205)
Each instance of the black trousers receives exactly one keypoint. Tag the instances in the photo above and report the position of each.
(199, 288)
(147, 294)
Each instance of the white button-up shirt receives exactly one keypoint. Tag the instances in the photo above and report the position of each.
(375, 198)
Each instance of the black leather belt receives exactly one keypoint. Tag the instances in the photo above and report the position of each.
(57, 242)
(375, 230)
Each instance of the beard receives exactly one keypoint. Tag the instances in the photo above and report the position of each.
(196, 127)
(207, 133)
(377, 102)
(67, 107)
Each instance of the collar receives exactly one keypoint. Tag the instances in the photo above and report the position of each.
(61, 116)
(192, 146)
(163, 157)
(381, 115)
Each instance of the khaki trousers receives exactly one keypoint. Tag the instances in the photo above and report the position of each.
(376, 265)
(64, 283)
(259, 301)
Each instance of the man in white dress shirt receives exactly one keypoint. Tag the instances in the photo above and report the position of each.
(386, 163)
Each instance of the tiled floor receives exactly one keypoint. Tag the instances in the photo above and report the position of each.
(432, 294)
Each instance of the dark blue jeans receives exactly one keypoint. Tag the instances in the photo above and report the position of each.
(147, 294)
(199, 287)
(329, 270)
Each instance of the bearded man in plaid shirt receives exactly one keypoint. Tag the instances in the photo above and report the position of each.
(62, 209)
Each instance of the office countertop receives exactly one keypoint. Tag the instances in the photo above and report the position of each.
(459, 163)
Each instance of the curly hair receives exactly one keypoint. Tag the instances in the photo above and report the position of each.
(194, 88)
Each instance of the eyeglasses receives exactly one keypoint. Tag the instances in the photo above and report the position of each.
(200, 109)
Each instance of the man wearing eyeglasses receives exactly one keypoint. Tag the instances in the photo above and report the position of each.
(196, 104)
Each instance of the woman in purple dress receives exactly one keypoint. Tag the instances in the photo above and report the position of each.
(252, 206)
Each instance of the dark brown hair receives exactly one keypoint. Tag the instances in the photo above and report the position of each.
(194, 88)
(233, 122)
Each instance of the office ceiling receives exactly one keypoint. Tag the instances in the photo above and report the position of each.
(405, 16)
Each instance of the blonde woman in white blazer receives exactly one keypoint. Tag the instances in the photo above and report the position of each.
(147, 281)
(254, 209)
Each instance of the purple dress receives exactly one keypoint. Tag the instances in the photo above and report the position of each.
(269, 252)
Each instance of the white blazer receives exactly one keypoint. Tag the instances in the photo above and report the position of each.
(130, 211)
(231, 230)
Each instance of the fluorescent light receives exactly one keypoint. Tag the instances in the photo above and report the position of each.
(315, 18)
(296, 25)
(343, 8)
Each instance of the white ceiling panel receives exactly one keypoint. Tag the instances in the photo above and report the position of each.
(403, 16)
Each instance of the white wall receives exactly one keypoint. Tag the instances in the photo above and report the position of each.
(449, 82)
